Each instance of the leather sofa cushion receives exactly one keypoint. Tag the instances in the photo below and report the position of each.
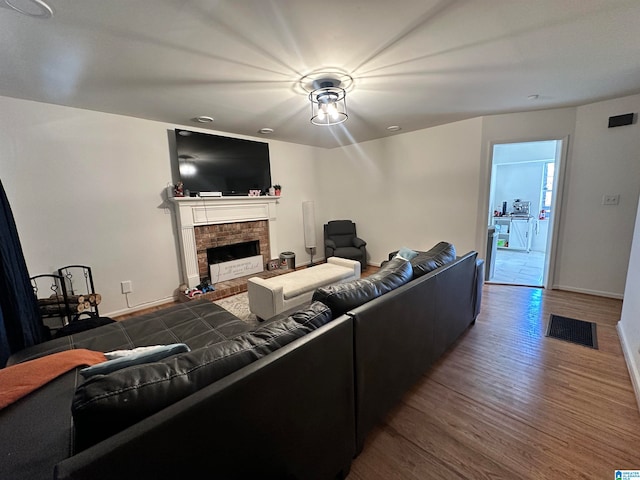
(107, 404)
(425, 262)
(341, 298)
(197, 323)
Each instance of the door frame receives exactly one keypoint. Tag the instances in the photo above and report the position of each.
(553, 239)
(562, 153)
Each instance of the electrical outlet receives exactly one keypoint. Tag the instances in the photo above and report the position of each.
(610, 199)
(126, 286)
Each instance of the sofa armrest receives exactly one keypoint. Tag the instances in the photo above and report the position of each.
(345, 262)
(329, 243)
(265, 299)
(358, 242)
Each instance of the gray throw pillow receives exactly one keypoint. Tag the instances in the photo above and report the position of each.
(406, 253)
(137, 356)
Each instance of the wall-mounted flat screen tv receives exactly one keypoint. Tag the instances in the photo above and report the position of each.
(212, 163)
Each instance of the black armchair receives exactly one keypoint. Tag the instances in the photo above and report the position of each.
(341, 240)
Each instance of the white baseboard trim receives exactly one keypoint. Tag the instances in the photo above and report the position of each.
(142, 306)
(598, 293)
(634, 372)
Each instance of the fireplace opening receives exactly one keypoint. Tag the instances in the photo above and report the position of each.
(234, 260)
(234, 251)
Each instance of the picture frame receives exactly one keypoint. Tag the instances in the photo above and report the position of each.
(273, 264)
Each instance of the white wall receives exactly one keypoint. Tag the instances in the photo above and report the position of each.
(629, 325)
(413, 189)
(596, 239)
(294, 167)
(518, 180)
(88, 187)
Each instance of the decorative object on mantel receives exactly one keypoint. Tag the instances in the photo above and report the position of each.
(255, 193)
(277, 189)
(178, 190)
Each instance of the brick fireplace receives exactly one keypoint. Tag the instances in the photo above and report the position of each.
(210, 236)
(208, 222)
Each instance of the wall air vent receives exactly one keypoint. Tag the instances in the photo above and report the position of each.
(622, 120)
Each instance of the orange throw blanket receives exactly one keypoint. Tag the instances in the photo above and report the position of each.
(18, 380)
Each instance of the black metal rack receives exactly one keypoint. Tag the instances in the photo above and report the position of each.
(65, 297)
(78, 280)
(53, 300)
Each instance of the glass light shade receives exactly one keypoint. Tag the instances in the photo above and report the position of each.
(328, 106)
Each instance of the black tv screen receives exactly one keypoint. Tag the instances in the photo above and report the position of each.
(212, 163)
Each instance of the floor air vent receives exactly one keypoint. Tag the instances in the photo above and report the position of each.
(572, 330)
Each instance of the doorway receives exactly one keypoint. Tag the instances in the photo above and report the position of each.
(522, 209)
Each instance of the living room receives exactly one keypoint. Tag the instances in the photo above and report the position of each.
(120, 190)
(89, 187)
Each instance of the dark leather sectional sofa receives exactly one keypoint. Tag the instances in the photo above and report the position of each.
(291, 399)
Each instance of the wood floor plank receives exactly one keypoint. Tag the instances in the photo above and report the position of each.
(470, 421)
(508, 402)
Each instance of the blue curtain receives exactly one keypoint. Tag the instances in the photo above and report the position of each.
(20, 322)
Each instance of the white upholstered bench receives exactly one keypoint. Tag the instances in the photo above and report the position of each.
(270, 296)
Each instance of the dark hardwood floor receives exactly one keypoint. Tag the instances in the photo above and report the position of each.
(506, 402)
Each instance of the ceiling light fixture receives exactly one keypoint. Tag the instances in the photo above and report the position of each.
(31, 8)
(266, 130)
(328, 102)
(394, 128)
(203, 119)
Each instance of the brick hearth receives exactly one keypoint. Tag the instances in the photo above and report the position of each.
(235, 286)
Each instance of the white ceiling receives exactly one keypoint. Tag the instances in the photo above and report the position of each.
(415, 63)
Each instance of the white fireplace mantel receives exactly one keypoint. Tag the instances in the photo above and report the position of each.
(196, 211)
